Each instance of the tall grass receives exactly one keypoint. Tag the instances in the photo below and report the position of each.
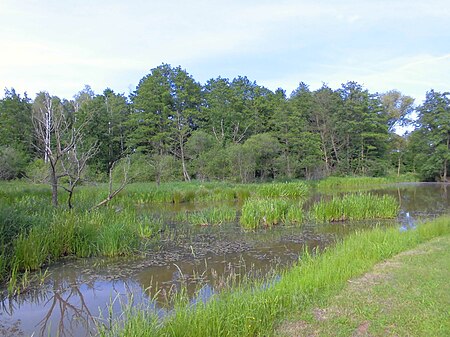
(209, 216)
(105, 232)
(285, 190)
(337, 183)
(205, 192)
(355, 207)
(255, 310)
(268, 212)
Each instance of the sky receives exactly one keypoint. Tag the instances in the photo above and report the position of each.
(61, 46)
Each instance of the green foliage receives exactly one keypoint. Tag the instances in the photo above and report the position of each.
(356, 207)
(12, 163)
(429, 144)
(105, 119)
(15, 122)
(37, 171)
(236, 130)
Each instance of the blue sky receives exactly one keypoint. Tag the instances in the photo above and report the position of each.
(60, 46)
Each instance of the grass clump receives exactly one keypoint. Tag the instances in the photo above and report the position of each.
(178, 193)
(339, 183)
(28, 243)
(209, 216)
(355, 207)
(268, 212)
(283, 190)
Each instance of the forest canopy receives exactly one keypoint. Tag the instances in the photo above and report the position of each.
(174, 128)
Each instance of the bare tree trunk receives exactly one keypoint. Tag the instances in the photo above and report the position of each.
(54, 184)
(444, 176)
(69, 199)
(183, 161)
(333, 143)
(446, 160)
(112, 193)
(324, 146)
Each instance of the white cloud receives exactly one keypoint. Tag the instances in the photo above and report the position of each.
(56, 45)
(413, 75)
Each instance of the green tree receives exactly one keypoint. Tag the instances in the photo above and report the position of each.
(264, 149)
(166, 110)
(242, 162)
(398, 108)
(304, 137)
(363, 129)
(12, 162)
(433, 136)
(107, 117)
(16, 132)
(324, 121)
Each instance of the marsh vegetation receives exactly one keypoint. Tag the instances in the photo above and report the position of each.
(211, 237)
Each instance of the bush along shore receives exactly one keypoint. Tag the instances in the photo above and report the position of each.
(255, 309)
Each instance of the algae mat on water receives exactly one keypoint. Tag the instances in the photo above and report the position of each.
(408, 295)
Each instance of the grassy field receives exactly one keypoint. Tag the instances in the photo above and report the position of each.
(256, 309)
(408, 295)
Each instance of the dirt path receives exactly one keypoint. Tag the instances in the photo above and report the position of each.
(408, 295)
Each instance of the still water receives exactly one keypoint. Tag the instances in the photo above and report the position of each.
(79, 294)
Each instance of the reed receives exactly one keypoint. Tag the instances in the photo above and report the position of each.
(339, 183)
(268, 212)
(209, 216)
(69, 232)
(283, 190)
(355, 207)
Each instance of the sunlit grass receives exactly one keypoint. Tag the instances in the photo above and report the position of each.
(339, 183)
(269, 212)
(355, 207)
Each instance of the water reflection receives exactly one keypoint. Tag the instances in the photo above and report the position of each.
(66, 310)
(407, 222)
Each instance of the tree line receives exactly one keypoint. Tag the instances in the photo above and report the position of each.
(174, 128)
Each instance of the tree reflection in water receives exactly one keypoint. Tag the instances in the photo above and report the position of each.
(66, 310)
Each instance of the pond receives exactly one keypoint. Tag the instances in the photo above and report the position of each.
(80, 293)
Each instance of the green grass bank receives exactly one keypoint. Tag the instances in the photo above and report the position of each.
(408, 295)
(257, 309)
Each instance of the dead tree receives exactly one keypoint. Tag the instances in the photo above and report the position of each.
(60, 141)
(73, 165)
(125, 181)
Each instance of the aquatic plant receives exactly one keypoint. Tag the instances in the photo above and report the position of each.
(284, 190)
(208, 216)
(148, 226)
(268, 212)
(355, 207)
(339, 183)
